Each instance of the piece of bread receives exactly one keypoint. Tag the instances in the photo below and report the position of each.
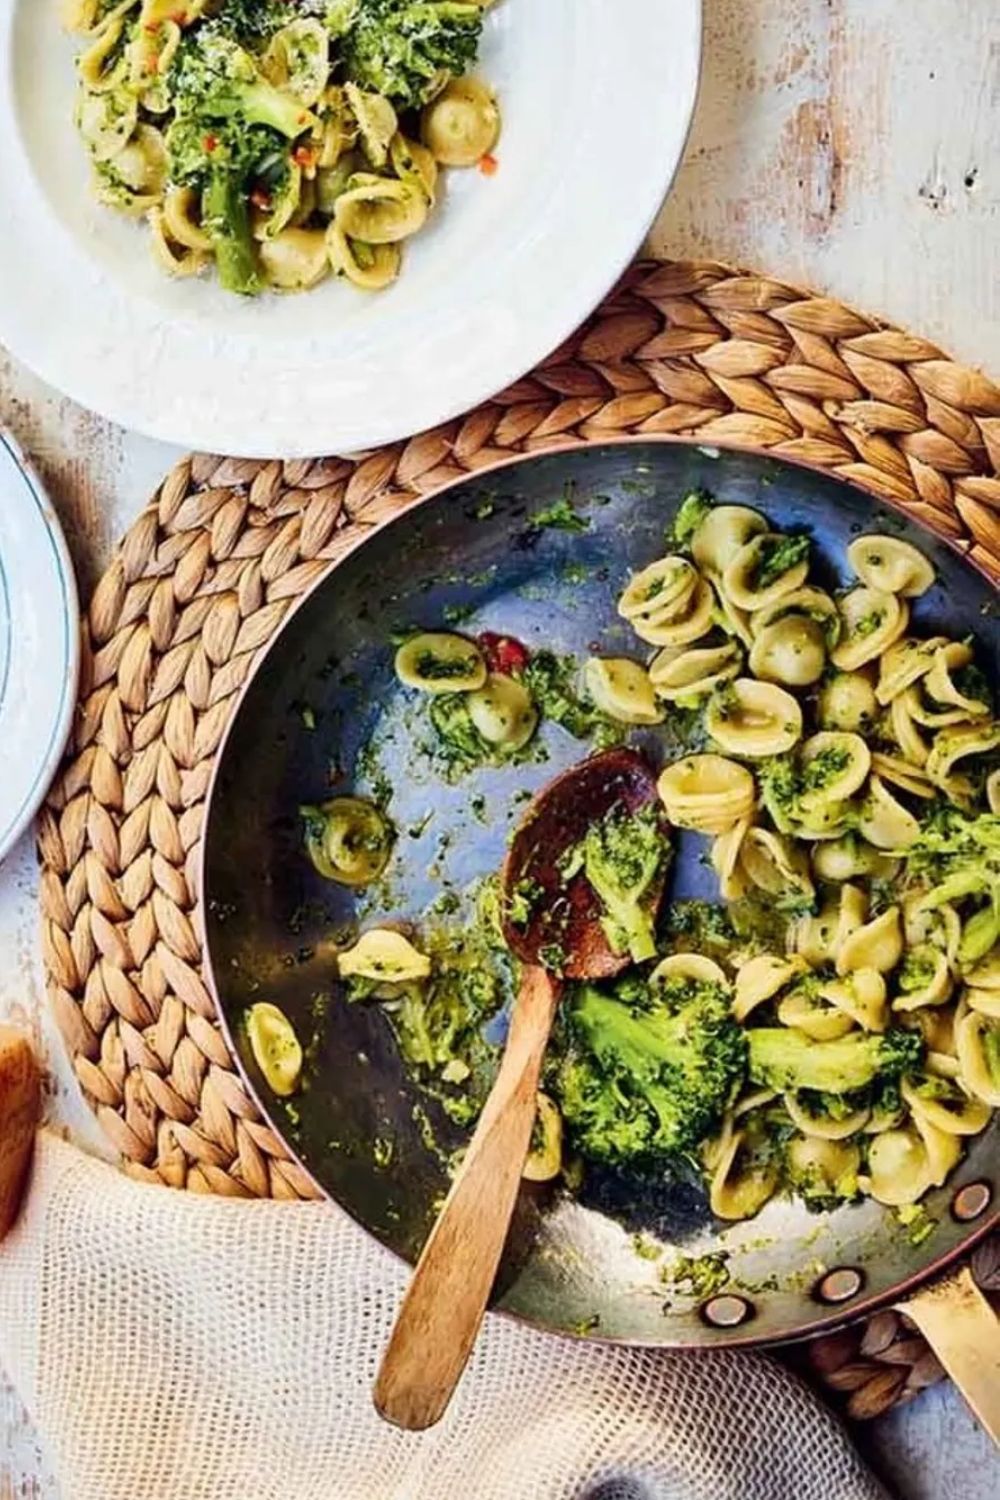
(20, 1103)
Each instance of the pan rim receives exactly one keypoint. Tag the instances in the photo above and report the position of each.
(711, 1337)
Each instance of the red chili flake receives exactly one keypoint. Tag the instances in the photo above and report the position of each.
(503, 653)
(260, 198)
(488, 165)
(303, 156)
(209, 142)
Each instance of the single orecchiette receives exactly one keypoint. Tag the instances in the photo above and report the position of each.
(891, 565)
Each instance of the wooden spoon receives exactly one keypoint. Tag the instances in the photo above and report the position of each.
(440, 1316)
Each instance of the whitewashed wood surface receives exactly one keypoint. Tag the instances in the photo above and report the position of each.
(852, 145)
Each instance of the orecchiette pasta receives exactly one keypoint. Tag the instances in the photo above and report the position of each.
(706, 792)
(890, 564)
(722, 533)
(622, 689)
(754, 719)
(765, 569)
(872, 622)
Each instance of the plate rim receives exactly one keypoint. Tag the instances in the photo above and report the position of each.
(715, 1338)
(63, 719)
(126, 403)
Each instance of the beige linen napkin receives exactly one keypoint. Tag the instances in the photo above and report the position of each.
(174, 1347)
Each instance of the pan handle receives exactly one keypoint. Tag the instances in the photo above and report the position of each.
(964, 1332)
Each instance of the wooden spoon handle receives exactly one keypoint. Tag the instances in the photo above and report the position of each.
(445, 1302)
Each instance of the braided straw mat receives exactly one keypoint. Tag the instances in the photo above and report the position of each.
(202, 581)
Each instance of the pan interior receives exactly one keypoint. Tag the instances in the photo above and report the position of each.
(617, 1260)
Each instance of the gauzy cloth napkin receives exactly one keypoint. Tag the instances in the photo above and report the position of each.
(176, 1347)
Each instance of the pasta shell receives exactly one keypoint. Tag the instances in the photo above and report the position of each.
(822, 1126)
(295, 259)
(678, 674)
(885, 822)
(104, 65)
(877, 945)
(847, 857)
(847, 702)
(622, 689)
(791, 651)
(175, 259)
(928, 921)
(414, 165)
(889, 564)
(986, 1002)
(808, 602)
(834, 765)
(861, 995)
(940, 685)
(182, 219)
(977, 1042)
(913, 747)
(503, 712)
(149, 55)
(275, 1047)
(740, 1186)
(721, 534)
(733, 883)
(818, 1019)
(661, 592)
(439, 662)
(760, 979)
(106, 121)
(925, 978)
(955, 744)
(376, 122)
(544, 1161)
(905, 662)
(872, 622)
(380, 210)
(898, 1167)
(901, 773)
(384, 955)
(735, 622)
(348, 839)
(775, 864)
(986, 974)
(754, 719)
(689, 966)
(462, 125)
(767, 568)
(370, 267)
(298, 59)
(945, 1105)
(706, 792)
(943, 1148)
(993, 792)
(681, 630)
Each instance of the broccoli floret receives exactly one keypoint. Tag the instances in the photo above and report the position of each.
(783, 1058)
(406, 49)
(623, 856)
(648, 1073)
(230, 125)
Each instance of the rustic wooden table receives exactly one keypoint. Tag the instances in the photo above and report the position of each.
(848, 145)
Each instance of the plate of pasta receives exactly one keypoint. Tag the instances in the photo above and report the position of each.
(260, 226)
(785, 1108)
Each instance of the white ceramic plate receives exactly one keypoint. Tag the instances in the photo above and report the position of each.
(597, 97)
(39, 643)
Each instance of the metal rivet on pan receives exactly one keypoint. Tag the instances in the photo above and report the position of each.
(970, 1201)
(727, 1311)
(839, 1285)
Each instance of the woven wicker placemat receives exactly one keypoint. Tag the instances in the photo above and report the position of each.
(202, 581)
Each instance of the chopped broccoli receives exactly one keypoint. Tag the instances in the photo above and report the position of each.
(693, 510)
(623, 856)
(783, 1058)
(958, 856)
(550, 681)
(230, 126)
(406, 49)
(649, 1072)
